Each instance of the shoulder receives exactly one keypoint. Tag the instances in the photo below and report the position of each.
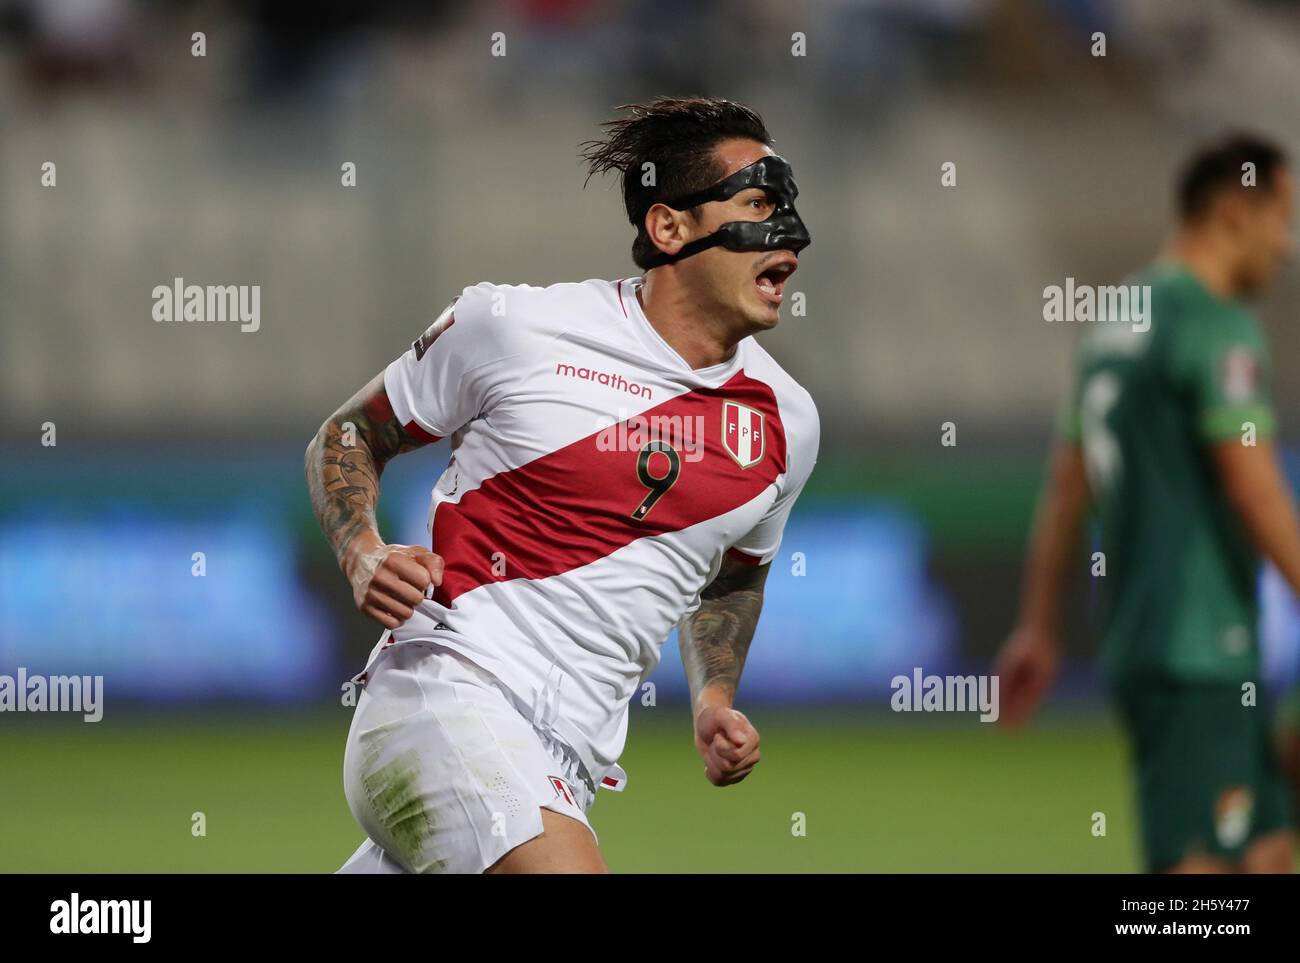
(1183, 305)
(518, 312)
(1240, 322)
(800, 421)
(790, 394)
(505, 300)
(1207, 328)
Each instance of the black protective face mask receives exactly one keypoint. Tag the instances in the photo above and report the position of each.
(783, 231)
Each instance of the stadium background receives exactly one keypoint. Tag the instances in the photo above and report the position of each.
(223, 693)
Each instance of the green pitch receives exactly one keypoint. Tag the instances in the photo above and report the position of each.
(882, 794)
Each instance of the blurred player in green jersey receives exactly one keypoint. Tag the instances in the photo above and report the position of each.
(1288, 745)
(1167, 436)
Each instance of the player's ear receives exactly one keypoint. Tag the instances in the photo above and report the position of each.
(667, 229)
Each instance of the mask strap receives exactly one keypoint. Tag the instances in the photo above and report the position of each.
(721, 191)
(694, 247)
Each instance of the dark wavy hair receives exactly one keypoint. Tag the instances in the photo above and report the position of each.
(677, 135)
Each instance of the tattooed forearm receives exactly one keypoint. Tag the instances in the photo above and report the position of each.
(346, 458)
(714, 639)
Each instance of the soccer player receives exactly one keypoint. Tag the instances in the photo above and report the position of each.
(624, 457)
(1167, 435)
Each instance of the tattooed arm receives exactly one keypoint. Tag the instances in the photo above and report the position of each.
(343, 465)
(714, 641)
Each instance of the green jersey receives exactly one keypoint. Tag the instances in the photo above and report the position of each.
(1153, 391)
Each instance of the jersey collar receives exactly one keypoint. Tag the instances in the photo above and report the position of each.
(664, 352)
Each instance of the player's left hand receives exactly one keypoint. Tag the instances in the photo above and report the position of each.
(727, 743)
(1026, 666)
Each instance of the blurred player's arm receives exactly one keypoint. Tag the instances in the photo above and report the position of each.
(1028, 662)
(343, 464)
(1257, 490)
(714, 641)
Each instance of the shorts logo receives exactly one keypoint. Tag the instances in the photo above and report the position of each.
(1232, 812)
(562, 790)
(743, 434)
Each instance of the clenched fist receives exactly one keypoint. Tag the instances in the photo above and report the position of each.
(727, 743)
(389, 581)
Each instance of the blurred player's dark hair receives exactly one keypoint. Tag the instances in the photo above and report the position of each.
(1219, 166)
(677, 135)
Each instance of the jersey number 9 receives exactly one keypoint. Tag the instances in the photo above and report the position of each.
(658, 484)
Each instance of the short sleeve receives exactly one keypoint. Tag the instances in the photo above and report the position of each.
(1222, 365)
(760, 545)
(441, 382)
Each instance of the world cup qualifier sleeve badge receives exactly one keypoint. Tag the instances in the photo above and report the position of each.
(743, 433)
(1239, 377)
(444, 321)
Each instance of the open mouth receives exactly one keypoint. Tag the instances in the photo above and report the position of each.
(771, 280)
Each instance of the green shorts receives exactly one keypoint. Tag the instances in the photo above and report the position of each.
(1208, 781)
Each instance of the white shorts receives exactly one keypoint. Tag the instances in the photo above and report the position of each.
(444, 772)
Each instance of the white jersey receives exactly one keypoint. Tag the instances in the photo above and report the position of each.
(595, 484)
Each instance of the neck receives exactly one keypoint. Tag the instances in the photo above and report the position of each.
(1205, 256)
(686, 321)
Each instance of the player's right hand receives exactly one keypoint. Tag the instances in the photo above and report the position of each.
(1026, 668)
(727, 742)
(389, 581)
